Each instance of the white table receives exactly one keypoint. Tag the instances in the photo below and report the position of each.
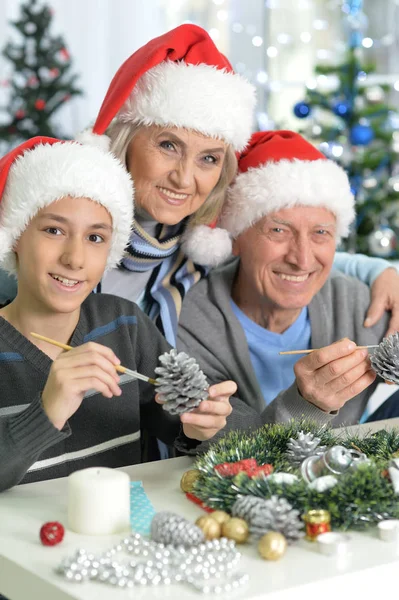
(27, 567)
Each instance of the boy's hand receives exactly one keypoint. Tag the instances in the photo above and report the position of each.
(331, 376)
(210, 416)
(72, 374)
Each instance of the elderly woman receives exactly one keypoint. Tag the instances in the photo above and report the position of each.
(286, 211)
(175, 114)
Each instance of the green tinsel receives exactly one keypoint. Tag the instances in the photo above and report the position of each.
(361, 497)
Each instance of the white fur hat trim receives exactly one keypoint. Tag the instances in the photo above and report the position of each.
(50, 172)
(284, 184)
(201, 97)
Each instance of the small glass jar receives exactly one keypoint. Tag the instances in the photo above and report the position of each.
(317, 522)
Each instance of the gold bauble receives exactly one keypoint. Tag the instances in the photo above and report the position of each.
(210, 528)
(236, 529)
(220, 516)
(188, 480)
(272, 545)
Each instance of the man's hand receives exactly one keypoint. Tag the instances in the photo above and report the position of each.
(331, 376)
(72, 374)
(385, 296)
(210, 416)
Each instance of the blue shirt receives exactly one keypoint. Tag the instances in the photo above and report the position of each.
(275, 373)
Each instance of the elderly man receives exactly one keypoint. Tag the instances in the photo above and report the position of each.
(286, 212)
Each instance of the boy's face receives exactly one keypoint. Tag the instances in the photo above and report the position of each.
(62, 253)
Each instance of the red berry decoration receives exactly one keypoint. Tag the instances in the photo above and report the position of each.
(40, 104)
(52, 533)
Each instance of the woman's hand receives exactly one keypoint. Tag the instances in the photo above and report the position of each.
(210, 416)
(72, 374)
(385, 296)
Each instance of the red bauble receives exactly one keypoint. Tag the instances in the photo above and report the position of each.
(54, 72)
(52, 533)
(64, 54)
(20, 114)
(40, 104)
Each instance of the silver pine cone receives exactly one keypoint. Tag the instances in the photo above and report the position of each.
(169, 528)
(385, 359)
(180, 383)
(272, 514)
(305, 445)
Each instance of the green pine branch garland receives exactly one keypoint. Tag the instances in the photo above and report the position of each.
(360, 498)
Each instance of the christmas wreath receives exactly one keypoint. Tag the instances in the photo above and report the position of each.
(240, 465)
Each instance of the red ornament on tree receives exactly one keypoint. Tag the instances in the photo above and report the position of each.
(20, 114)
(40, 104)
(52, 533)
(55, 72)
(64, 54)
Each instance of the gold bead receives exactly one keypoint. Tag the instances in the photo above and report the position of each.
(210, 527)
(188, 480)
(272, 545)
(220, 516)
(236, 529)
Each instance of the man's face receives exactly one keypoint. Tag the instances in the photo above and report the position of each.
(286, 257)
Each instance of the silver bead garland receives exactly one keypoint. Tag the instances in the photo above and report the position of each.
(180, 382)
(210, 567)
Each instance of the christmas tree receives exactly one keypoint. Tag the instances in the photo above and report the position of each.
(41, 82)
(352, 123)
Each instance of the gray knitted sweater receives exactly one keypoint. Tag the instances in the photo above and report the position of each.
(102, 432)
(210, 331)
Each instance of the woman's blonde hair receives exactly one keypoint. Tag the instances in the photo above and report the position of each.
(121, 134)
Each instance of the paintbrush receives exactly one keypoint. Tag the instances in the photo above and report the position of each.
(314, 350)
(119, 368)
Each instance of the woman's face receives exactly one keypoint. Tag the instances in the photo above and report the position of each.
(174, 171)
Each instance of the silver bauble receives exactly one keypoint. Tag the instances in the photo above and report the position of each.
(336, 461)
(382, 241)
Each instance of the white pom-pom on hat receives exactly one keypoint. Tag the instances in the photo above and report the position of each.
(206, 245)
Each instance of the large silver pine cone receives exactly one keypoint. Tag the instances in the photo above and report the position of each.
(169, 528)
(273, 514)
(385, 359)
(180, 383)
(305, 445)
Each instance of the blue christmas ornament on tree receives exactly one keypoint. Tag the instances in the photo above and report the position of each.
(341, 108)
(361, 135)
(302, 110)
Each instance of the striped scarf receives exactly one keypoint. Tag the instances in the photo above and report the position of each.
(172, 277)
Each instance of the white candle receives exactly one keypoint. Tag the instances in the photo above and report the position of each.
(333, 543)
(98, 501)
(388, 530)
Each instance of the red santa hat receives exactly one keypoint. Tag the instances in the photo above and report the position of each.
(180, 79)
(280, 169)
(43, 170)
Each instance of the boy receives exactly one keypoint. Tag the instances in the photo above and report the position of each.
(65, 216)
